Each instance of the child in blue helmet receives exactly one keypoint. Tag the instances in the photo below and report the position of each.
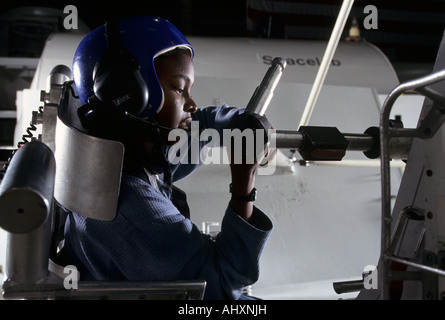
(152, 237)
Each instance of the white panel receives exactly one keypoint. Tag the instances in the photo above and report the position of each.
(354, 64)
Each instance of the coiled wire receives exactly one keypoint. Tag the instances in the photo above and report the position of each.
(26, 137)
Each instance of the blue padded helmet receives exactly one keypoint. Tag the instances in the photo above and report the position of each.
(145, 38)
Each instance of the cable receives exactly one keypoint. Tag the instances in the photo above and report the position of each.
(26, 137)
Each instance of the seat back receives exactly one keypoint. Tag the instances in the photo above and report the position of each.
(88, 173)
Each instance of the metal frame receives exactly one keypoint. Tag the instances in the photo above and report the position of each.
(107, 290)
(427, 127)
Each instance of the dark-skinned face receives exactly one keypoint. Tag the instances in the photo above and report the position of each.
(176, 75)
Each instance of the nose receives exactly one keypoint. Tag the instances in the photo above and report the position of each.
(190, 105)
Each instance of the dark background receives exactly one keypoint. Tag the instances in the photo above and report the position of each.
(408, 31)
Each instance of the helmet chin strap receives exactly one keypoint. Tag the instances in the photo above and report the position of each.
(151, 123)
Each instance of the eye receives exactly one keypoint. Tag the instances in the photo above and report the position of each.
(178, 89)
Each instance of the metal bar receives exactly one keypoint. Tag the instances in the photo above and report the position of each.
(264, 92)
(8, 114)
(326, 61)
(166, 290)
(348, 286)
(438, 271)
(294, 140)
(291, 139)
(286, 139)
